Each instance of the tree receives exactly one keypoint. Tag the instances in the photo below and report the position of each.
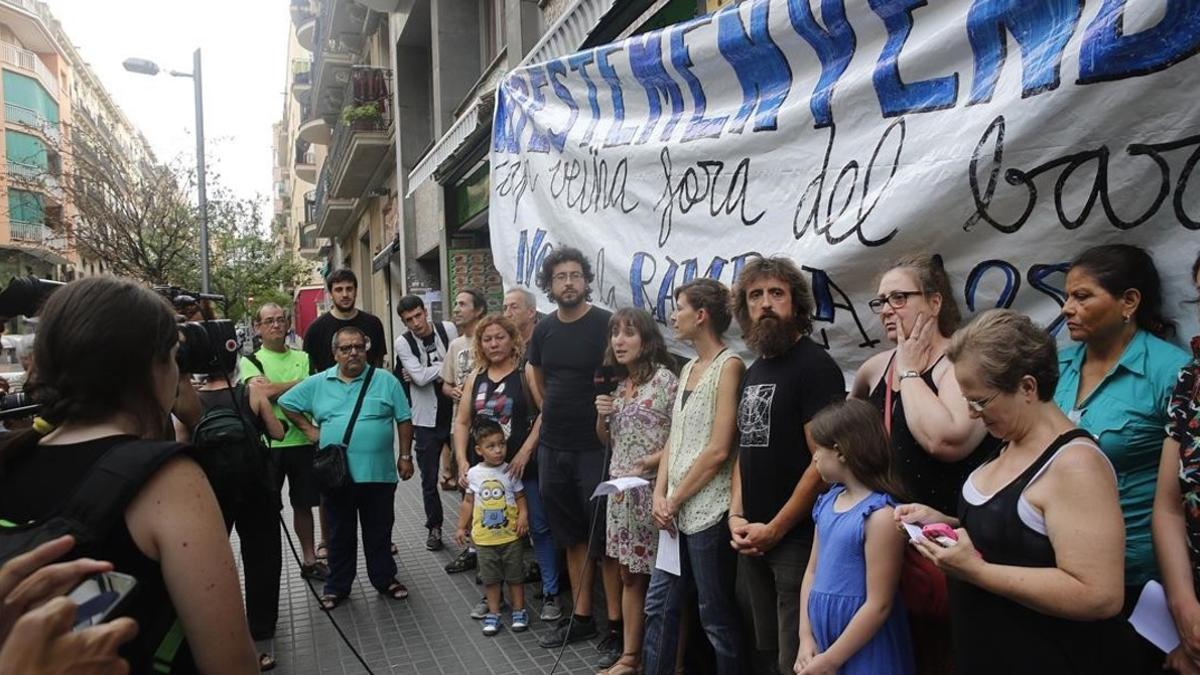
(138, 217)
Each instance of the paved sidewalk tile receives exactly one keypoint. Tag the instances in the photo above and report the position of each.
(428, 633)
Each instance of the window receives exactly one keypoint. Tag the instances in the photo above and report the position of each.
(493, 29)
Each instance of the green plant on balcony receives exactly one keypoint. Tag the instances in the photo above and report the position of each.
(364, 116)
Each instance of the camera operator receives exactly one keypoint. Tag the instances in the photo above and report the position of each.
(104, 385)
(246, 492)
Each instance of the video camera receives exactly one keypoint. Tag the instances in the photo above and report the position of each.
(24, 296)
(209, 345)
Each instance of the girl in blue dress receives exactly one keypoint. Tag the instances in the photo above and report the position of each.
(851, 618)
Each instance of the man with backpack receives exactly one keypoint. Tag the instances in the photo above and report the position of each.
(229, 445)
(277, 368)
(420, 352)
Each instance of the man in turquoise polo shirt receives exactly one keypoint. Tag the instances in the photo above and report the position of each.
(278, 368)
(328, 397)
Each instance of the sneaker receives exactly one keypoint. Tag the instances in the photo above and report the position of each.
(481, 610)
(568, 632)
(610, 648)
(467, 560)
(434, 541)
(520, 620)
(491, 624)
(550, 609)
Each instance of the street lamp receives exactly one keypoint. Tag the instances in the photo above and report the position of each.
(147, 67)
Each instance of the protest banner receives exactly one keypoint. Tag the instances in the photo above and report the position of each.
(1006, 136)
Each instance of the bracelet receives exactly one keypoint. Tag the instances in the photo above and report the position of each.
(406, 458)
(734, 515)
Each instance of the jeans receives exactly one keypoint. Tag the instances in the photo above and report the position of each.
(706, 565)
(373, 506)
(428, 449)
(539, 531)
(771, 584)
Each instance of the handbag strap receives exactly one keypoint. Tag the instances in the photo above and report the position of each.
(358, 406)
(887, 397)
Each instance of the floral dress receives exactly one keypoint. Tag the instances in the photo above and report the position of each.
(1183, 425)
(639, 427)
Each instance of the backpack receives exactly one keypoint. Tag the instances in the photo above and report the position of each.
(418, 352)
(98, 503)
(231, 451)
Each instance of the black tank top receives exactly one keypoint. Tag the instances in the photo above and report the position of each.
(507, 403)
(35, 485)
(928, 480)
(993, 634)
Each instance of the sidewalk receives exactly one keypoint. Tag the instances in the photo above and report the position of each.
(428, 633)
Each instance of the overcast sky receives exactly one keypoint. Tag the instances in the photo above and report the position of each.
(244, 45)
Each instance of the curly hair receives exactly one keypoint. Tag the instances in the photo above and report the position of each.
(783, 269)
(497, 319)
(654, 348)
(566, 254)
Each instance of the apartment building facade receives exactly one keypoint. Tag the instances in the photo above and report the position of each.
(416, 220)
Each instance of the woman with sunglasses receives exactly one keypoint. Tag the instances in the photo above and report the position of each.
(1116, 383)
(935, 440)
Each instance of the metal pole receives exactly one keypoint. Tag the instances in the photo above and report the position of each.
(200, 176)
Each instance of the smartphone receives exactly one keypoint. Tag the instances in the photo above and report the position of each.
(941, 533)
(101, 597)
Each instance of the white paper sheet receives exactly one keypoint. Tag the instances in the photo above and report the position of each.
(1152, 619)
(612, 487)
(914, 531)
(668, 553)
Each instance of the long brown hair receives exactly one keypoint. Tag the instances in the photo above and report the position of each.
(854, 428)
(654, 349)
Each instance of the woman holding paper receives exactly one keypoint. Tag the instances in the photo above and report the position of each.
(634, 422)
(1176, 520)
(1037, 560)
(692, 495)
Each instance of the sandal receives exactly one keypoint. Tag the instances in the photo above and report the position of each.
(318, 571)
(395, 591)
(330, 602)
(628, 664)
(322, 553)
(266, 662)
(449, 481)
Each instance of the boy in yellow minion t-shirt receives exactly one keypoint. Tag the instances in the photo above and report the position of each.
(494, 508)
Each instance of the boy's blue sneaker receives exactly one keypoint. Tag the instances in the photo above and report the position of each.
(520, 620)
(491, 624)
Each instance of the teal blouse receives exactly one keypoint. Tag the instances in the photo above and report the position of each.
(1127, 413)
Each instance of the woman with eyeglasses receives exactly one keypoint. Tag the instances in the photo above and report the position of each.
(934, 438)
(1036, 558)
(1116, 383)
(1176, 520)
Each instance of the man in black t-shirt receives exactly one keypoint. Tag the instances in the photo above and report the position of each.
(419, 354)
(774, 481)
(566, 349)
(343, 290)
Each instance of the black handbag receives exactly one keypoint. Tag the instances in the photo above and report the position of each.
(331, 471)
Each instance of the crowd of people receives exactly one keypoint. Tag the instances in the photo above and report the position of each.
(978, 500)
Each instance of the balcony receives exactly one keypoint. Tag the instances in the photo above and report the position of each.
(306, 161)
(332, 60)
(38, 234)
(27, 61)
(33, 120)
(306, 33)
(34, 177)
(358, 151)
(301, 79)
(301, 11)
(333, 215)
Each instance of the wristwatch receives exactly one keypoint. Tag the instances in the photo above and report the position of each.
(907, 374)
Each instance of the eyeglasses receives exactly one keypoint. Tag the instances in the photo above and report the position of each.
(978, 404)
(275, 321)
(347, 349)
(568, 276)
(896, 299)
